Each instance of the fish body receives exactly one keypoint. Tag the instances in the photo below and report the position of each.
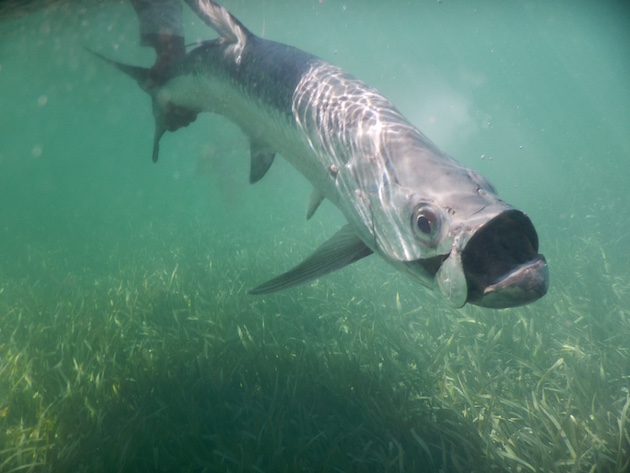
(404, 199)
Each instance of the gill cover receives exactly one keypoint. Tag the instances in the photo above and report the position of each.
(451, 280)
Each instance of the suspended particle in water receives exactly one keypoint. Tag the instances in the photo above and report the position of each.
(37, 151)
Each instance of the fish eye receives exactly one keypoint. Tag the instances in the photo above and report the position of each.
(425, 224)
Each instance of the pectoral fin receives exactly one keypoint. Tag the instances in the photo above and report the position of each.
(344, 248)
(262, 159)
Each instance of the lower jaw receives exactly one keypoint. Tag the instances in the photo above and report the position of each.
(523, 285)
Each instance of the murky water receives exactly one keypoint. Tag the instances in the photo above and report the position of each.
(533, 95)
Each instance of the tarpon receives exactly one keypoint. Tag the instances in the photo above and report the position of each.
(404, 199)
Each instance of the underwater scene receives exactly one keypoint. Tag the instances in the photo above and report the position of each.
(129, 341)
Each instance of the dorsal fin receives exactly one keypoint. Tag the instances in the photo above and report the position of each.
(229, 28)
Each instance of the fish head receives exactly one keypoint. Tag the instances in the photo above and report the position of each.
(493, 260)
(444, 225)
(500, 261)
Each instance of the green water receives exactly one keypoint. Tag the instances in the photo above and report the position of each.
(128, 341)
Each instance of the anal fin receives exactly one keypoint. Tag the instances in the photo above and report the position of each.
(313, 203)
(261, 161)
(343, 249)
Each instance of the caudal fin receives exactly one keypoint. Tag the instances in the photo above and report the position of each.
(139, 74)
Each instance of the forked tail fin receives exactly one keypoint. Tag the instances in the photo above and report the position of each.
(141, 76)
(232, 34)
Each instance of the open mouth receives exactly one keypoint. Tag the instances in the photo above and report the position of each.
(502, 265)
